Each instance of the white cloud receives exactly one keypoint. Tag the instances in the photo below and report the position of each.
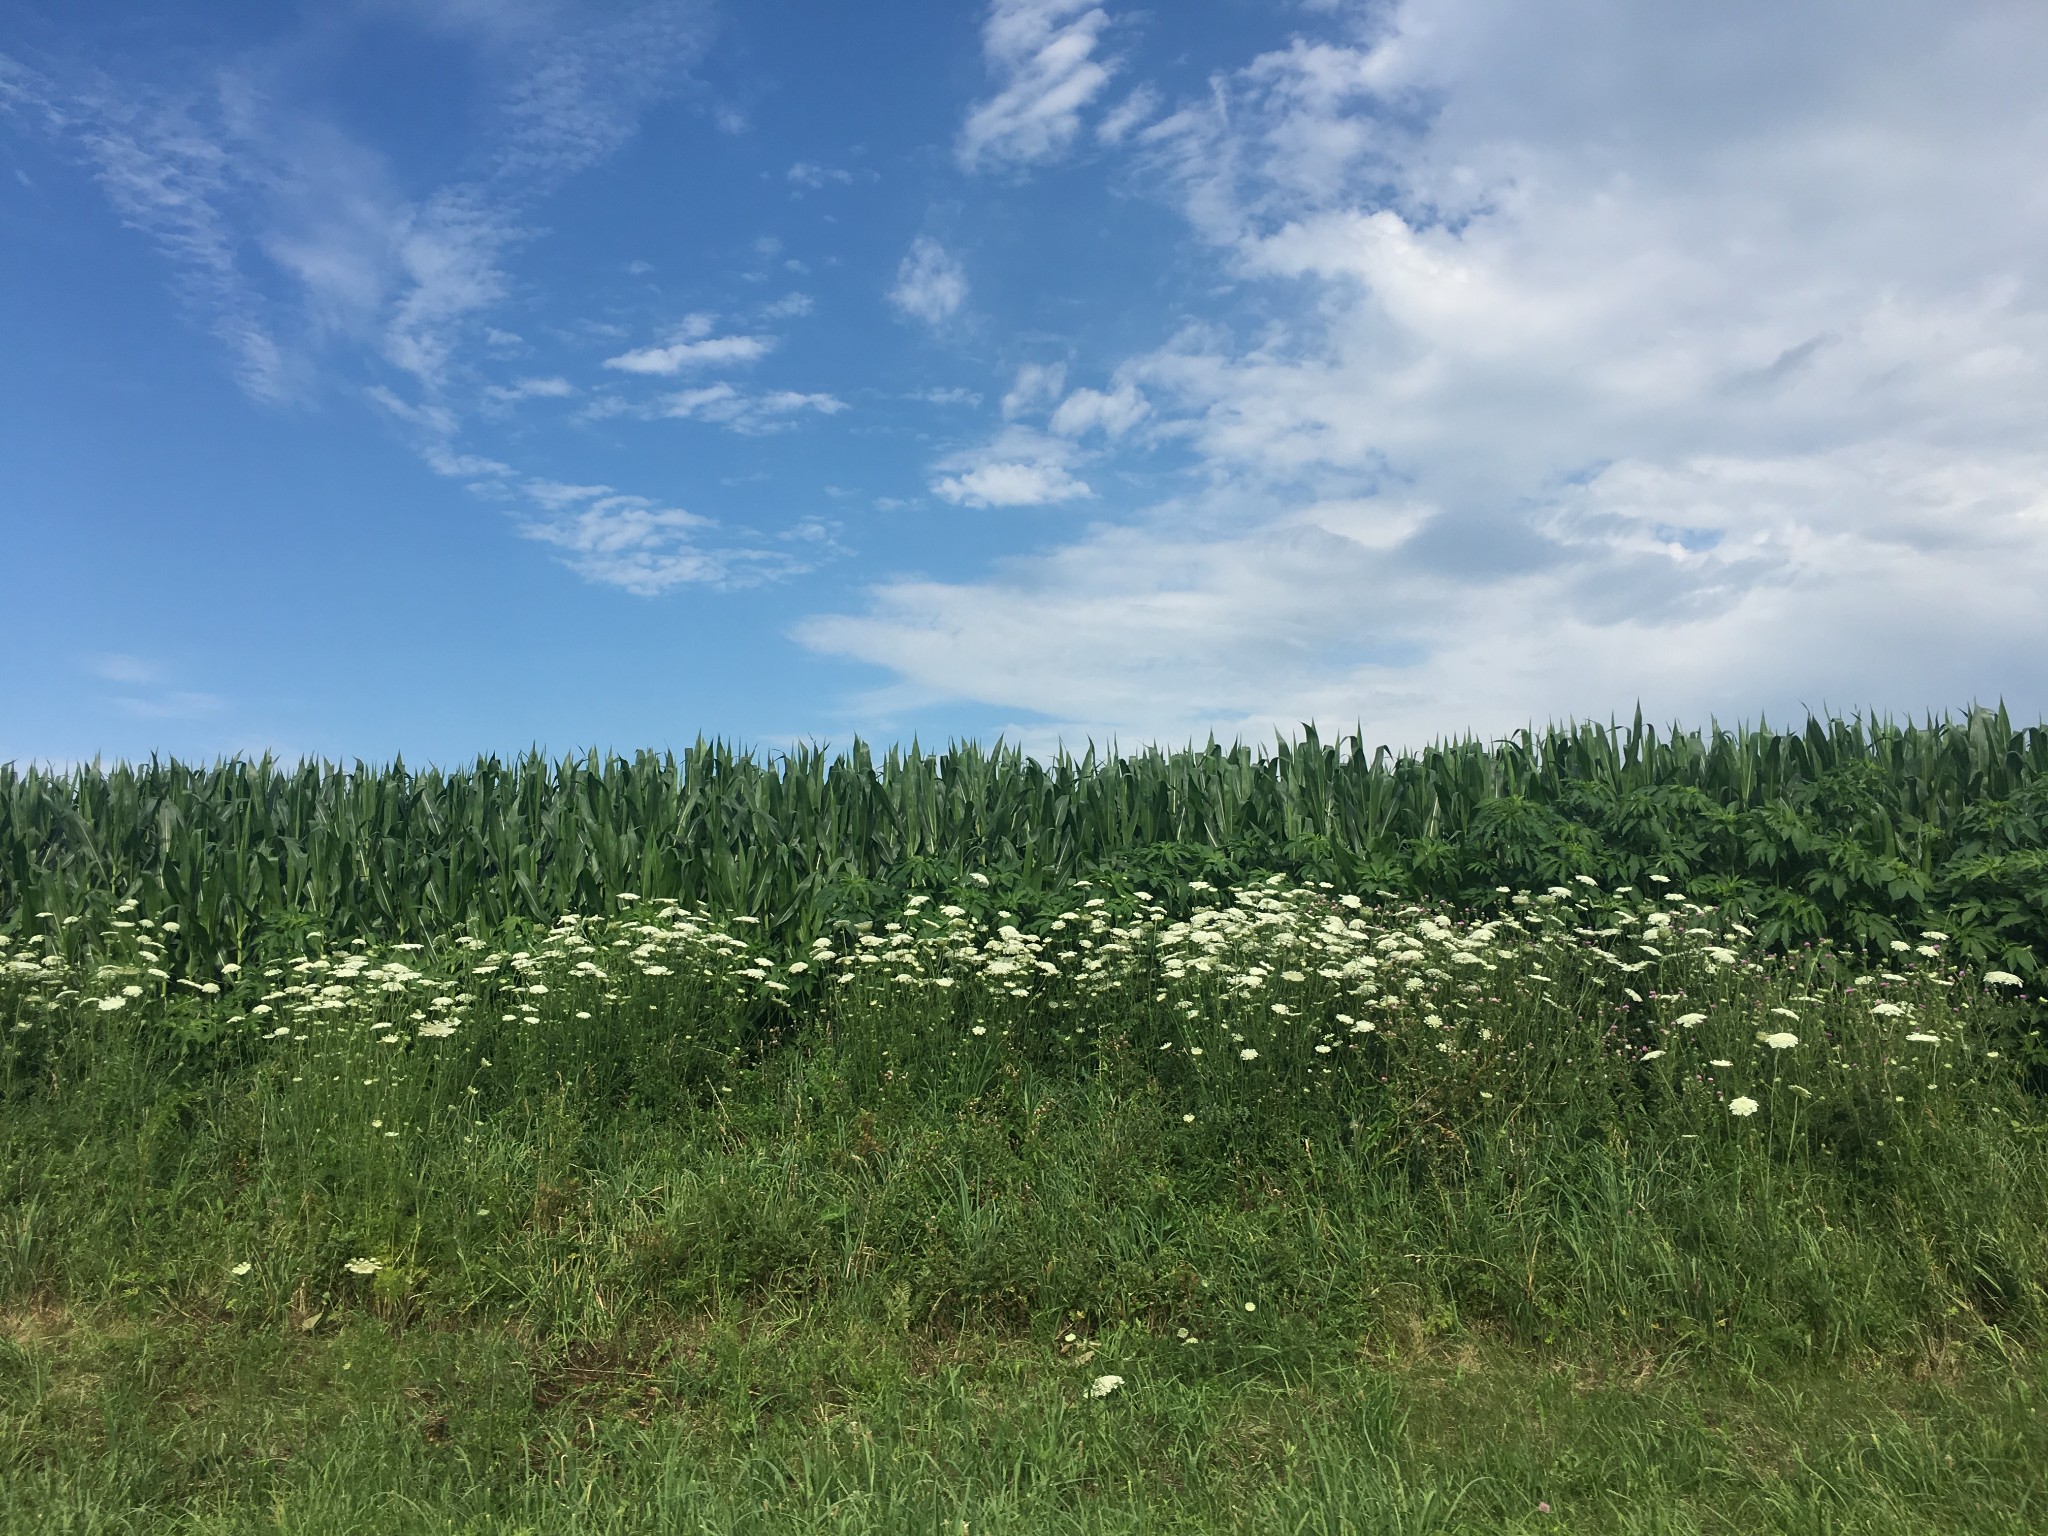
(551, 388)
(1011, 484)
(1090, 410)
(1133, 110)
(1042, 55)
(930, 285)
(751, 414)
(1604, 353)
(811, 177)
(793, 306)
(1037, 384)
(647, 549)
(628, 542)
(238, 182)
(679, 355)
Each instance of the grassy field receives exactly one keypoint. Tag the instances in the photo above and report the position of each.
(1275, 1207)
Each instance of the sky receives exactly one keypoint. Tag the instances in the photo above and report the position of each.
(441, 377)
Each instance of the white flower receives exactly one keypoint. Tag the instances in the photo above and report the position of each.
(1187, 1119)
(1786, 1013)
(241, 1269)
(1919, 1037)
(1247, 1054)
(1743, 1107)
(980, 1029)
(1687, 1020)
(1651, 1055)
(1781, 1041)
(1282, 1009)
(1362, 1027)
(362, 1266)
(1720, 1061)
(112, 1004)
(131, 991)
(1887, 1010)
(1251, 1306)
(2002, 979)
(1102, 1386)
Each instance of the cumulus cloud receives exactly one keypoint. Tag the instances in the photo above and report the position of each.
(1011, 484)
(1042, 54)
(1091, 410)
(930, 284)
(1604, 353)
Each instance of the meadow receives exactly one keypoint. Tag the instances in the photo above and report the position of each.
(1202, 1146)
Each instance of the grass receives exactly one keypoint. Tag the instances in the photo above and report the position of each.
(761, 1420)
(1388, 1219)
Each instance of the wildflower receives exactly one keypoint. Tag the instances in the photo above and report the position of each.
(980, 1029)
(1247, 1054)
(1251, 1306)
(1687, 1020)
(2002, 979)
(1919, 1037)
(362, 1266)
(1187, 1119)
(1786, 1013)
(1781, 1041)
(1651, 1055)
(112, 1004)
(1720, 1061)
(1102, 1386)
(1887, 1010)
(1935, 935)
(1743, 1107)
(241, 1269)
(1282, 1010)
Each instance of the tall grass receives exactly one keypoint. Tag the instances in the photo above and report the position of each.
(1590, 1212)
(1858, 829)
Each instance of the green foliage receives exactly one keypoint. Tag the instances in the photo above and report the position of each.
(1859, 830)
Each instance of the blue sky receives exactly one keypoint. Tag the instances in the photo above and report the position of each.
(445, 376)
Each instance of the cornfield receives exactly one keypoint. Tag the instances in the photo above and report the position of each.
(1857, 829)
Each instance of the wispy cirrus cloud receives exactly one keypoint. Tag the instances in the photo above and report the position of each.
(1042, 55)
(752, 413)
(647, 549)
